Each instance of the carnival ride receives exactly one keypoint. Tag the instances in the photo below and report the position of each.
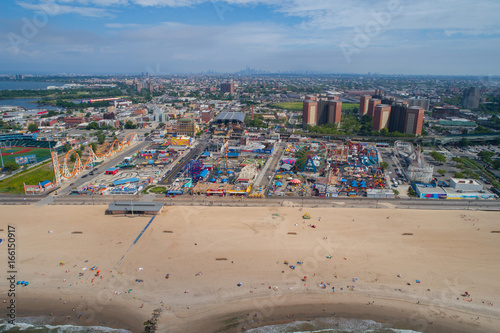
(311, 157)
(418, 170)
(63, 172)
(370, 157)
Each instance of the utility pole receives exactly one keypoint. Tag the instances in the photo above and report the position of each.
(1, 157)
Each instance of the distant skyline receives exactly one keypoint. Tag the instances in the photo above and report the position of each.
(451, 37)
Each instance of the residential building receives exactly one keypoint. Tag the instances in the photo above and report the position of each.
(363, 105)
(186, 126)
(414, 120)
(227, 87)
(371, 106)
(471, 98)
(419, 101)
(381, 117)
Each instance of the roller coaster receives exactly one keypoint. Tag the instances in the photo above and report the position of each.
(64, 172)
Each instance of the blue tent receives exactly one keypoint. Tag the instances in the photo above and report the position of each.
(213, 180)
(278, 183)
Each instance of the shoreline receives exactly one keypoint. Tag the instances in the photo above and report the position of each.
(117, 315)
(253, 313)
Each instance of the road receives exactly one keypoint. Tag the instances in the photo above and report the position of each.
(345, 202)
(196, 151)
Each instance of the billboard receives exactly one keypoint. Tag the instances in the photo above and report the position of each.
(27, 159)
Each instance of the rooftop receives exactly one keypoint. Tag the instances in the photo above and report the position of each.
(230, 116)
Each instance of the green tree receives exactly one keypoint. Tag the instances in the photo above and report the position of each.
(130, 125)
(87, 114)
(92, 126)
(101, 138)
(384, 165)
(94, 146)
(438, 157)
(11, 166)
(67, 147)
(411, 192)
(486, 156)
(441, 172)
(460, 175)
(32, 127)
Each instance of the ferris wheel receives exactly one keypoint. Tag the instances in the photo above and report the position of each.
(311, 156)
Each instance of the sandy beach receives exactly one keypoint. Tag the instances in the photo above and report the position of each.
(409, 268)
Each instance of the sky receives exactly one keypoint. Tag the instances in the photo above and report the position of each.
(428, 37)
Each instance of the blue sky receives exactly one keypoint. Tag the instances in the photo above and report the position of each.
(456, 37)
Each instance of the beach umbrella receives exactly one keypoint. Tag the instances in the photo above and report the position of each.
(295, 181)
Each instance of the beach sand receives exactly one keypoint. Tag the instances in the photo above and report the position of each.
(207, 251)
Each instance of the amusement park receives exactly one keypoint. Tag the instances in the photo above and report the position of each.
(330, 169)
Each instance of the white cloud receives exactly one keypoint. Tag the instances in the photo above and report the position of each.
(52, 9)
(123, 25)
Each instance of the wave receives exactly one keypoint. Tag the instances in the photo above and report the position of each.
(330, 325)
(42, 325)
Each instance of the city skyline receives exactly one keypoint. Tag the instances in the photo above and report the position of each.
(192, 36)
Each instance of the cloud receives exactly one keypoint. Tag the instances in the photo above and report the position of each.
(52, 9)
(123, 25)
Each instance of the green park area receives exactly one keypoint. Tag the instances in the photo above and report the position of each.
(31, 176)
(10, 153)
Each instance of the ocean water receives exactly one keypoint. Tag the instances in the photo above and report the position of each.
(330, 325)
(26, 103)
(21, 85)
(36, 324)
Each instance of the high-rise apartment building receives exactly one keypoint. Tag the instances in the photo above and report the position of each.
(414, 120)
(371, 106)
(398, 117)
(320, 112)
(419, 101)
(381, 117)
(363, 105)
(227, 87)
(334, 112)
(471, 98)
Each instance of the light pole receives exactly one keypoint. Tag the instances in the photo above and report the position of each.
(1, 157)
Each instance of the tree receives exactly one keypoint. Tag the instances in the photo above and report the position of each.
(67, 147)
(438, 157)
(87, 115)
(486, 156)
(92, 126)
(101, 138)
(441, 172)
(496, 164)
(411, 192)
(32, 127)
(94, 146)
(459, 175)
(11, 166)
(384, 165)
(161, 125)
(130, 125)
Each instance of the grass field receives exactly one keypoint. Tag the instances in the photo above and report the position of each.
(297, 106)
(39, 152)
(30, 177)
